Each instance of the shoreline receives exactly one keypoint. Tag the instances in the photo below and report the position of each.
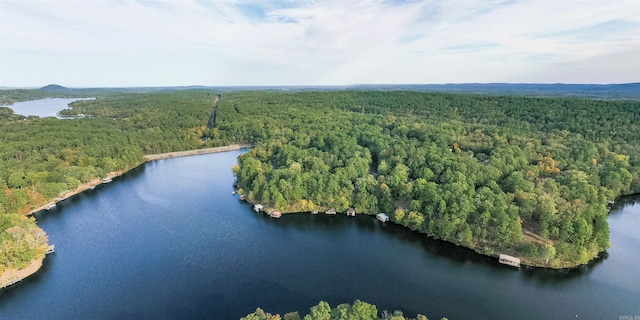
(169, 155)
(524, 261)
(195, 152)
(91, 184)
(13, 276)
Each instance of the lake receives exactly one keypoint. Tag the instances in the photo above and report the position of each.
(43, 107)
(168, 240)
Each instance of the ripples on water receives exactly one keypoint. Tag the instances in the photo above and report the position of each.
(168, 240)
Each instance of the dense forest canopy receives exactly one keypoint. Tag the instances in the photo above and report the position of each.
(528, 176)
(42, 158)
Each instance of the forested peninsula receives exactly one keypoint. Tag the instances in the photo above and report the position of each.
(323, 311)
(498, 174)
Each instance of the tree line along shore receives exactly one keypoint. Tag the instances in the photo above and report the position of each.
(13, 275)
(91, 184)
(531, 177)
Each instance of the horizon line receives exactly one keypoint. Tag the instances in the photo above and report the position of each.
(315, 85)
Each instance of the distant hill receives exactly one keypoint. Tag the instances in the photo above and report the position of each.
(594, 91)
(624, 91)
(54, 87)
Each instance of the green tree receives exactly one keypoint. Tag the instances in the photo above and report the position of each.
(321, 311)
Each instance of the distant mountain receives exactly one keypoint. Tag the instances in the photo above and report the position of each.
(630, 91)
(54, 87)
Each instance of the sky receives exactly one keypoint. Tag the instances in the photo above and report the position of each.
(123, 43)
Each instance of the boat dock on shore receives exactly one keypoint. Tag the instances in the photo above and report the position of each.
(331, 211)
(509, 260)
(382, 217)
(275, 214)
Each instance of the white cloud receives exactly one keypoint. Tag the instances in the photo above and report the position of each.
(250, 42)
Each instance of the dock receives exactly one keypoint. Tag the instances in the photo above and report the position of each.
(610, 204)
(50, 249)
(258, 207)
(275, 214)
(509, 260)
(106, 180)
(382, 217)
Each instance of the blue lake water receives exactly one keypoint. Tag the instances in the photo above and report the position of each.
(43, 107)
(169, 241)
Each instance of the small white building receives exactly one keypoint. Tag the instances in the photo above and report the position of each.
(382, 217)
(257, 207)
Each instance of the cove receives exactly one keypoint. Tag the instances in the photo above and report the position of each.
(43, 107)
(169, 241)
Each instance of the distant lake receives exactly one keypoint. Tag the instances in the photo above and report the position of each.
(169, 241)
(43, 107)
